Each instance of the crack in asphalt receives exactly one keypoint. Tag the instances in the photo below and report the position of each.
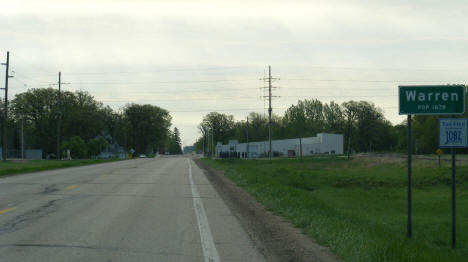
(29, 217)
(49, 189)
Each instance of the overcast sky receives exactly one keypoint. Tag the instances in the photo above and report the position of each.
(193, 57)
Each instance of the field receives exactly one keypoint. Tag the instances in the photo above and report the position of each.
(17, 167)
(358, 207)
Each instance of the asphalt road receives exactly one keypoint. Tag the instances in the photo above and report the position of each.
(137, 210)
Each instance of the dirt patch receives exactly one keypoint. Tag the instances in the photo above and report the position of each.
(276, 238)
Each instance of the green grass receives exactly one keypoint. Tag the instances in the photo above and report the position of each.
(15, 167)
(358, 207)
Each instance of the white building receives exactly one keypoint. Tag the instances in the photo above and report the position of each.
(321, 144)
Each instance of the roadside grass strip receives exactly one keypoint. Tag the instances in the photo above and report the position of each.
(28, 166)
(358, 207)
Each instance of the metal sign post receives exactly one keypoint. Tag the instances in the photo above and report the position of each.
(439, 152)
(453, 134)
(409, 224)
(431, 100)
(454, 227)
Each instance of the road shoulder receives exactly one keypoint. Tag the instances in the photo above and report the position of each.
(274, 237)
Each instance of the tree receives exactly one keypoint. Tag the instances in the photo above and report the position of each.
(77, 147)
(96, 145)
(313, 116)
(350, 110)
(175, 146)
(362, 121)
(198, 145)
(38, 108)
(82, 116)
(371, 127)
(334, 118)
(147, 127)
(296, 118)
(143, 127)
(258, 127)
(219, 125)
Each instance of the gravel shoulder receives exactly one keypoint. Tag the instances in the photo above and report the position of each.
(274, 237)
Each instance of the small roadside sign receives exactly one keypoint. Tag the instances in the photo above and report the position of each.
(132, 151)
(439, 152)
(453, 132)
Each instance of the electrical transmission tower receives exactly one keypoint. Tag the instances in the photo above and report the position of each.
(270, 79)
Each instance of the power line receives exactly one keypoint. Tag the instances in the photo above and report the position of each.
(21, 82)
(161, 70)
(233, 97)
(384, 68)
(50, 73)
(245, 109)
(35, 68)
(175, 100)
(221, 110)
(371, 81)
(246, 80)
(346, 96)
(164, 82)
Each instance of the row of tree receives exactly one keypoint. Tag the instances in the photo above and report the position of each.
(363, 125)
(144, 128)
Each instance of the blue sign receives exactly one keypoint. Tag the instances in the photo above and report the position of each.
(453, 132)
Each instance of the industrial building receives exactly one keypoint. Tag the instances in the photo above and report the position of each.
(323, 143)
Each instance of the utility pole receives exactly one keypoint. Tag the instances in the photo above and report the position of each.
(5, 119)
(247, 137)
(59, 120)
(204, 138)
(212, 141)
(22, 138)
(349, 136)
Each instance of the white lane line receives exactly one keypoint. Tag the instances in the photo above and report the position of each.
(209, 249)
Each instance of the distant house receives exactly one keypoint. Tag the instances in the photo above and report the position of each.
(188, 149)
(30, 154)
(113, 151)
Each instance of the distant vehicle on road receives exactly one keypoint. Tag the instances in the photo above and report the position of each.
(142, 156)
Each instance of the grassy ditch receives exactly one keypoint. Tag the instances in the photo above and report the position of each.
(27, 166)
(358, 207)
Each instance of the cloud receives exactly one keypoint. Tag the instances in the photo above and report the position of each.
(140, 44)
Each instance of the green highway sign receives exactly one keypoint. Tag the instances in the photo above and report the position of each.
(431, 100)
